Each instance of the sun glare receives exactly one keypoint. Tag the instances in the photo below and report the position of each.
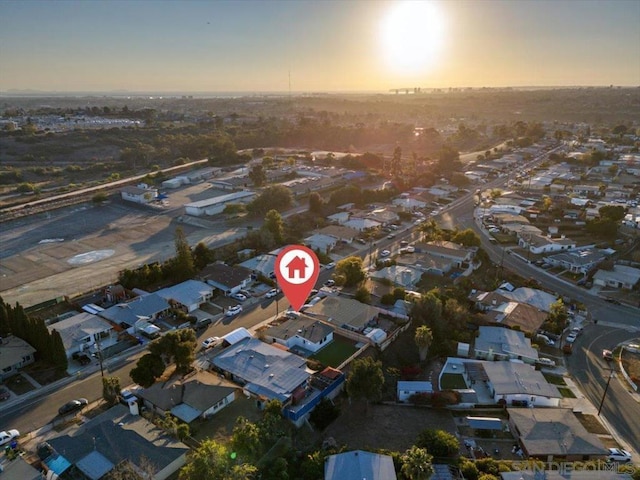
(412, 36)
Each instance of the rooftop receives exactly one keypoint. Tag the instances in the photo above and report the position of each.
(502, 340)
(303, 326)
(509, 378)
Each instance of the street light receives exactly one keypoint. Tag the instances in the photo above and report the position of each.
(606, 388)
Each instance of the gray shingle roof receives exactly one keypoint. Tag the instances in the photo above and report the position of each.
(359, 465)
(510, 378)
(146, 306)
(268, 370)
(304, 327)
(504, 341)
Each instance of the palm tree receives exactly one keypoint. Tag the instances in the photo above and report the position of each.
(416, 464)
(423, 338)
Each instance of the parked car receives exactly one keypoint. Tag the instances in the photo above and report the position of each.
(612, 300)
(7, 436)
(331, 265)
(410, 249)
(391, 236)
(607, 354)
(4, 394)
(272, 293)
(362, 241)
(203, 323)
(330, 283)
(545, 339)
(547, 362)
(571, 337)
(618, 455)
(238, 296)
(81, 358)
(577, 331)
(73, 406)
(126, 396)
(211, 342)
(385, 253)
(567, 348)
(233, 311)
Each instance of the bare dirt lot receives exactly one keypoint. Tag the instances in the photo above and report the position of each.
(392, 427)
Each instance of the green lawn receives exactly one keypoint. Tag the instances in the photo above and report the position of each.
(555, 379)
(336, 352)
(452, 381)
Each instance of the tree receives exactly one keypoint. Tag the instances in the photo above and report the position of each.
(148, 368)
(176, 346)
(438, 443)
(99, 197)
(183, 263)
(324, 413)
(202, 256)
(428, 310)
(423, 339)
(273, 223)
(363, 295)
(416, 464)
(315, 203)
(396, 163)
(212, 460)
(557, 318)
(110, 389)
(365, 380)
(352, 270)
(448, 159)
(257, 175)
(612, 212)
(276, 197)
(246, 439)
(467, 237)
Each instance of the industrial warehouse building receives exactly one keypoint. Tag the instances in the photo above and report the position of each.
(215, 205)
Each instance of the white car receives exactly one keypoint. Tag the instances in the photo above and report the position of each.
(331, 265)
(571, 337)
(618, 455)
(410, 249)
(238, 296)
(210, 342)
(233, 311)
(385, 253)
(546, 361)
(7, 436)
(330, 283)
(272, 293)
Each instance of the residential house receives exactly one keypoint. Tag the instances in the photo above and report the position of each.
(484, 301)
(576, 261)
(622, 276)
(304, 332)
(383, 216)
(499, 343)
(320, 243)
(264, 370)
(359, 465)
(264, 265)
(517, 315)
(339, 218)
(426, 263)
(590, 191)
(509, 218)
(199, 397)
(225, 278)
(458, 254)
(85, 332)
(519, 384)
(531, 296)
(103, 443)
(19, 469)
(409, 202)
(344, 312)
(146, 307)
(553, 434)
(406, 389)
(538, 244)
(142, 194)
(340, 233)
(15, 353)
(399, 275)
(361, 224)
(190, 294)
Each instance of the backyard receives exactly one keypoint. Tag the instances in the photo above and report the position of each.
(452, 381)
(336, 352)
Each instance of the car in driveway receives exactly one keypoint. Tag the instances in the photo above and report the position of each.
(330, 283)
(8, 435)
(618, 455)
(235, 310)
(73, 406)
(238, 296)
(210, 342)
(203, 323)
(385, 253)
(81, 358)
(272, 293)
(545, 339)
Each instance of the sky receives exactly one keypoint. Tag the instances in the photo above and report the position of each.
(313, 46)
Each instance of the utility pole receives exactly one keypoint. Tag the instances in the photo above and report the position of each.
(606, 388)
(100, 356)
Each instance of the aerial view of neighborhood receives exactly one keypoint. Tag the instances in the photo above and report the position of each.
(306, 240)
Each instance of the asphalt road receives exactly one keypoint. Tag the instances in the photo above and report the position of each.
(592, 373)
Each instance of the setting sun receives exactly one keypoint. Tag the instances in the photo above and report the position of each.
(412, 35)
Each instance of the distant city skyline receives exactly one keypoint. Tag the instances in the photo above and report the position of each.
(315, 46)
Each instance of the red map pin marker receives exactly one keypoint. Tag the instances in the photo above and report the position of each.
(297, 270)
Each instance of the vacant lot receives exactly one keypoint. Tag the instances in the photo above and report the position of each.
(386, 426)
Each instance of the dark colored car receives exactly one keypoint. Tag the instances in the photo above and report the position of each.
(73, 406)
(81, 358)
(202, 324)
(4, 393)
